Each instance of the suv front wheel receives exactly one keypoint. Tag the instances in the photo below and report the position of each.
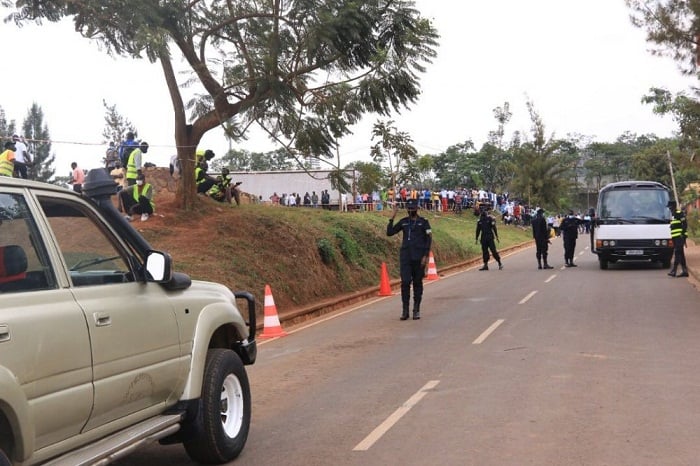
(219, 431)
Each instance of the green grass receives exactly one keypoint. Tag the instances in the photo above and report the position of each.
(309, 255)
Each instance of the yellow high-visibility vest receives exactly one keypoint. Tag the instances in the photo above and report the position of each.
(7, 163)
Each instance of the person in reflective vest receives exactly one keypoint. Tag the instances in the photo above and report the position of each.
(202, 179)
(7, 160)
(202, 155)
(678, 225)
(223, 190)
(135, 163)
(138, 199)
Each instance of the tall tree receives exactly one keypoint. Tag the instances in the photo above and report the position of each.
(492, 166)
(370, 176)
(4, 125)
(39, 143)
(279, 64)
(651, 163)
(684, 109)
(454, 168)
(7, 128)
(243, 160)
(673, 28)
(396, 149)
(116, 125)
(542, 173)
(424, 171)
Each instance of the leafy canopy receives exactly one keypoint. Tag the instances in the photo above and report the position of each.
(303, 70)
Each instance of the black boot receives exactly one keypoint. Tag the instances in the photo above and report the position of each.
(404, 313)
(539, 264)
(500, 266)
(684, 273)
(546, 265)
(416, 313)
(672, 272)
(485, 267)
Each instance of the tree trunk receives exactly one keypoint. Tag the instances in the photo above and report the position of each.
(185, 139)
(186, 195)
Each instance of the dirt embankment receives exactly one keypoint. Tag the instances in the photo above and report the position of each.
(309, 257)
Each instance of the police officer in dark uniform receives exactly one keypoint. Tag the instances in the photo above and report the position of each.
(413, 256)
(679, 226)
(569, 230)
(486, 228)
(540, 231)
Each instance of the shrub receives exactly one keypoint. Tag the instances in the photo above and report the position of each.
(325, 250)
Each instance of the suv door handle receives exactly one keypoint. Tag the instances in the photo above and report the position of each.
(4, 332)
(102, 320)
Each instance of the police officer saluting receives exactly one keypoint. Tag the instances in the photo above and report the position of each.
(413, 256)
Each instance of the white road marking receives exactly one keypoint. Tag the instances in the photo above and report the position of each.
(488, 332)
(384, 427)
(551, 277)
(527, 298)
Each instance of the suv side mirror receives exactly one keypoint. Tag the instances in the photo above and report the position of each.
(158, 266)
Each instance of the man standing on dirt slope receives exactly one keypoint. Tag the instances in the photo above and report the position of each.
(413, 256)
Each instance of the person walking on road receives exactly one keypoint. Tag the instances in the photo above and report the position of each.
(541, 232)
(413, 256)
(486, 228)
(569, 229)
(679, 226)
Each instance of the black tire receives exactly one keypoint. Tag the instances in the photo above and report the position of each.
(218, 433)
(603, 263)
(4, 460)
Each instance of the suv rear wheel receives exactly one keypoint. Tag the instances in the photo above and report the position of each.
(219, 432)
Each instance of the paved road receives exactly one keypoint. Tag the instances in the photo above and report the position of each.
(514, 367)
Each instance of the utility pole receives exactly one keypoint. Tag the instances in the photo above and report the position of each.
(673, 179)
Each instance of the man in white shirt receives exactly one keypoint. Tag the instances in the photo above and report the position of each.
(22, 157)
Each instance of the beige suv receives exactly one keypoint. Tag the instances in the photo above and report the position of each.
(102, 346)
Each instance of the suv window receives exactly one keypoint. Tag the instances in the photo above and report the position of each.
(91, 254)
(24, 264)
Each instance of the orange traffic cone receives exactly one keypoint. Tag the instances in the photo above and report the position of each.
(384, 285)
(271, 322)
(432, 270)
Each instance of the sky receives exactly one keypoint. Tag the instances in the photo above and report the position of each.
(581, 63)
